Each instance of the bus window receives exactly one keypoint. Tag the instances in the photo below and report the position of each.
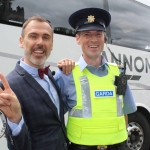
(130, 25)
(14, 12)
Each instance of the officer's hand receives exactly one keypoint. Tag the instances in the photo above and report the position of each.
(9, 103)
(66, 65)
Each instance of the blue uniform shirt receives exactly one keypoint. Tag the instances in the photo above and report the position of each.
(67, 86)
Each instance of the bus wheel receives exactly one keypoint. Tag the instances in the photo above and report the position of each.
(138, 132)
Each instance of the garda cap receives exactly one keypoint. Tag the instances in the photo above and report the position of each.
(90, 19)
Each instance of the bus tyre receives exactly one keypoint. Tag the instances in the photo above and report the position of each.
(138, 132)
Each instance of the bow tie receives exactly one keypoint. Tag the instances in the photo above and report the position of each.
(43, 71)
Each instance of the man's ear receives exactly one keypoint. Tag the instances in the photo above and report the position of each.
(78, 39)
(21, 42)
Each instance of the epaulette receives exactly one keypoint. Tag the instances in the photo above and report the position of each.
(112, 64)
(119, 66)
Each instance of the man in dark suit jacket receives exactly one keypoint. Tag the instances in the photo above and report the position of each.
(38, 124)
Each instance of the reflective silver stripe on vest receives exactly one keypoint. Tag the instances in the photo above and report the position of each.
(119, 105)
(86, 111)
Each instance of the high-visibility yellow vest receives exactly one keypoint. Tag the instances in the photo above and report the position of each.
(98, 118)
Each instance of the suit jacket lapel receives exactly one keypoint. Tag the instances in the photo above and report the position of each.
(37, 87)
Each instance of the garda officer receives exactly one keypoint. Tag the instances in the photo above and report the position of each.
(97, 115)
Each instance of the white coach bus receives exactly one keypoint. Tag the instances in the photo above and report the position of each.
(128, 38)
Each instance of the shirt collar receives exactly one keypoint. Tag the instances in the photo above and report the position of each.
(30, 69)
(82, 64)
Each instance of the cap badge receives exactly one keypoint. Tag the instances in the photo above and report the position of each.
(90, 18)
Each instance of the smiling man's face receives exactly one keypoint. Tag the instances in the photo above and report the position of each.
(37, 43)
(92, 43)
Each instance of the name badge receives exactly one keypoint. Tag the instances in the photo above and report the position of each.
(103, 93)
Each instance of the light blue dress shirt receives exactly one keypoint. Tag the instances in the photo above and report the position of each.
(47, 86)
(67, 86)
